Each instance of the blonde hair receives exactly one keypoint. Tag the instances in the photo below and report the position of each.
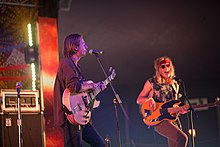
(157, 64)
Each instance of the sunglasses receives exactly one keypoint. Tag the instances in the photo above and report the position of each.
(166, 65)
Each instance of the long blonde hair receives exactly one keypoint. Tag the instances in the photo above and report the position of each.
(157, 64)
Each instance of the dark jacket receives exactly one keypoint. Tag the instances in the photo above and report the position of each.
(68, 76)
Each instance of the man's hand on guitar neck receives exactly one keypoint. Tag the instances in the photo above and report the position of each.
(101, 85)
(90, 85)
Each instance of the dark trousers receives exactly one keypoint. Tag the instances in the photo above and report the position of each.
(74, 134)
(175, 136)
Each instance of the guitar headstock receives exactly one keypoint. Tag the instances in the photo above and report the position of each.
(112, 74)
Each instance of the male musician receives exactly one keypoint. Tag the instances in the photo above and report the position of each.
(162, 88)
(69, 76)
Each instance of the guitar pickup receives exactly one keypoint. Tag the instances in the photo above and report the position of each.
(85, 101)
(77, 108)
(153, 120)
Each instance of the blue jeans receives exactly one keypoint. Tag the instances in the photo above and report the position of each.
(74, 134)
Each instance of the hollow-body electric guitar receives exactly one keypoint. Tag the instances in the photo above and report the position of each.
(166, 111)
(81, 104)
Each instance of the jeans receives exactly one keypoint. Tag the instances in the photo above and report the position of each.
(74, 134)
(175, 136)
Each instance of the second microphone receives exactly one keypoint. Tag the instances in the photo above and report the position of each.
(95, 52)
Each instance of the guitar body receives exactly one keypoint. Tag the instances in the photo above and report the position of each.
(152, 118)
(79, 105)
(167, 111)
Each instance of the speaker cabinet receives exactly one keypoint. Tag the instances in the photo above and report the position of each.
(33, 134)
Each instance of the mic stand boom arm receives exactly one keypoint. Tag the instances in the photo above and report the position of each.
(116, 101)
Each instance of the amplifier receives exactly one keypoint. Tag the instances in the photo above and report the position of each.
(33, 130)
(29, 100)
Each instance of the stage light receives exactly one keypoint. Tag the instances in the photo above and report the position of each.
(30, 38)
(192, 132)
(33, 70)
(31, 55)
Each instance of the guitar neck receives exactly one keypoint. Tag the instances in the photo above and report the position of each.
(178, 109)
(98, 89)
(106, 81)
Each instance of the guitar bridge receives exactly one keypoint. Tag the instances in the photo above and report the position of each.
(86, 117)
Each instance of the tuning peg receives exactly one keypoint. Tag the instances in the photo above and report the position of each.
(110, 69)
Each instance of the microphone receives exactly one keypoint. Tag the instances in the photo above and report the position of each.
(96, 52)
(18, 86)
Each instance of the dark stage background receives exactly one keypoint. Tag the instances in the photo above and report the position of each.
(132, 35)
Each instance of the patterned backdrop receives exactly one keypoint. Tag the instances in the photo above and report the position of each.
(14, 43)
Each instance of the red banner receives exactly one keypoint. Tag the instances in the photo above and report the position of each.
(49, 63)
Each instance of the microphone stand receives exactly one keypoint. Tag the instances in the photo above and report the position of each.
(191, 114)
(20, 143)
(116, 101)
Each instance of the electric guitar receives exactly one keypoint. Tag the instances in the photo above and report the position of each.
(167, 111)
(81, 104)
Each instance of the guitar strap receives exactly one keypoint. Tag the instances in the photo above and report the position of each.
(175, 87)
